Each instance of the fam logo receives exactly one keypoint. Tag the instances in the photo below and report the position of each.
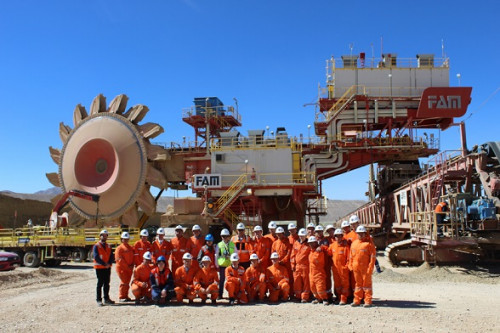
(208, 180)
(444, 102)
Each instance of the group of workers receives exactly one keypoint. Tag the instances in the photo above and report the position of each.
(272, 267)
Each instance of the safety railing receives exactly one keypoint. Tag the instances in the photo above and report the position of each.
(230, 194)
(220, 144)
(346, 98)
(391, 62)
(273, 179)
(363, 138)
(424, 227)
(317, 206)
(231, 217)
(211, 112)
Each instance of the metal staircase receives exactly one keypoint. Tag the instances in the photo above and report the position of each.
(343, 102)
(228, 197)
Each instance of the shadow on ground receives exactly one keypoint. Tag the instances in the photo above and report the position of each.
(404, 304)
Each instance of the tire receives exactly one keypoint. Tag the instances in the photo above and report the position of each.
(31, 259)
(53, 263)
(90, 255)
(79, 255)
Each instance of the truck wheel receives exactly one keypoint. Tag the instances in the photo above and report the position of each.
(79, 255)
(53, 263)
(90, 255)
(31, 259)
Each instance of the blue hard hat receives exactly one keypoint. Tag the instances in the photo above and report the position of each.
(209, 237)
(161, 258)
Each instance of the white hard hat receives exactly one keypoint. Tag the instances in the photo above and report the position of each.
(254, 256)
(280, 230)
(344, 224)
(319, 227)
(125, 235)
(257, 228)
(302, 232)
(205, 258)
(103, 232)
(187, 256)
(272, 225)
(196, 227)
(275, 255)
(225, 232)
(240, 226)
(147, 255)
(160, 231)
(312, 239)
(179, 227)
(338, 232)
(235, 257)
(354, 219)
(361, 228)
(292, 226)
(144, 233)
(311, 225)
(328, 227)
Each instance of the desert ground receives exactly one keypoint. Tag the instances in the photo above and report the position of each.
(418, 299)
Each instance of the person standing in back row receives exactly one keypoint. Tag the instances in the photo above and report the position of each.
(124, 258)
(243, 245)
(362, 262)
(102, 265)
(223, 251)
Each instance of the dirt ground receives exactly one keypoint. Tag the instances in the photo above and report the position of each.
(421, 299)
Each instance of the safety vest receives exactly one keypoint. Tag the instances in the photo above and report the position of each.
(104, 251)
(243, 247)
(160, 277)
(225, 251)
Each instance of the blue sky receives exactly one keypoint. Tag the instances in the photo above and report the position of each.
(270, 55)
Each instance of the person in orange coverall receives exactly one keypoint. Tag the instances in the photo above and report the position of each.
(124, 258)
(362, 262)
(255, 277)
(141, 284)
(272, 231)
(180, 246)
(339, 250)
(317, 275)
(310, 229)
(183, 279)
(198, 241)
(278, 280)
(284, 249)
(161, 246)
(292, 229)
(299, 260)
(262, 247)
(324, 243)
(206, 281)
(235, 281)
(141, 246)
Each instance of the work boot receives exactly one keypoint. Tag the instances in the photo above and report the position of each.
(137, 301)
(325, 302)
(191, 301)
(342, 303)
(368, 305)
(123, 300)
(355, 304)
(303, 301)
(99, 303)
(108, 301)
(231, 301)
(214, 301)
(203, 301)
(315, 301)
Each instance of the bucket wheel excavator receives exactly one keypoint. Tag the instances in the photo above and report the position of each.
(108, 154)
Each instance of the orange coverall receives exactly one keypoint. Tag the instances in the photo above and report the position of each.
(179, 247)
(208, 279)
(184, 285)
(351, 236)
(141, 247)
(197, 245)
(340, 257)
(163, 249)
(142, 276)
(255, 278)
(243, 247)
(262, 247)
(124, 258)
(235, 283)
(300, 266)
(317, 275)
(284, 249)
(324, 243)
(278, 282)
(292, 239)
(362, 262)
(272, 237)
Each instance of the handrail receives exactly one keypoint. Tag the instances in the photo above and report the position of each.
(230, 194)
(220, 144)
(344, 100)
